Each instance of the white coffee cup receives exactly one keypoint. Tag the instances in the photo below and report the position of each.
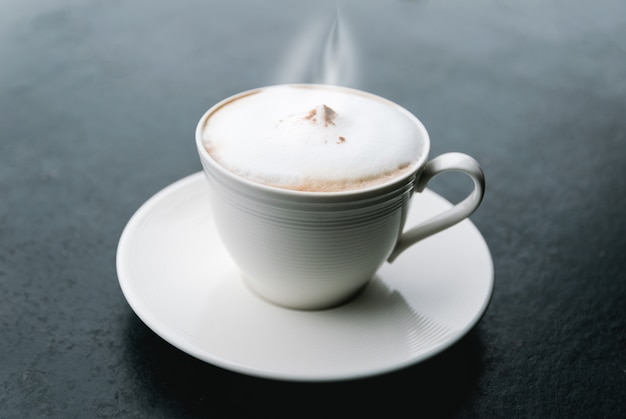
(316, 249)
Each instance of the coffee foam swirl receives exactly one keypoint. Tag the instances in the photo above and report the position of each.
(313, 138)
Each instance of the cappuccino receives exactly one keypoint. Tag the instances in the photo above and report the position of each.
(310, 186)
(314, 138)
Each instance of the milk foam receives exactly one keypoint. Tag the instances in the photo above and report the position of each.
(300, 137)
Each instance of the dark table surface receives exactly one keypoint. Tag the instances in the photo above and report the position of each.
(98, 105)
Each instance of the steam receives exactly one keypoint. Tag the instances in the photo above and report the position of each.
(323, 54)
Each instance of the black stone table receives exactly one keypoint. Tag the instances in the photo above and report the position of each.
(98, 105)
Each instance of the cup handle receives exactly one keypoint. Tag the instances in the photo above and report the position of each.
(444, 163)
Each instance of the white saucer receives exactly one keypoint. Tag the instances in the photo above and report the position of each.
(180, 281)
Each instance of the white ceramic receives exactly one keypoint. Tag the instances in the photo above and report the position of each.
(178, 277)
(314, 250)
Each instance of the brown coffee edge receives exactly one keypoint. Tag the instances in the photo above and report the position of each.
(347, 185)
(226, 102)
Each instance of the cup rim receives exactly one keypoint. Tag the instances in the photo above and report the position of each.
(276, 190)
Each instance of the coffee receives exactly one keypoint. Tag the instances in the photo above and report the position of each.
(314, 138)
